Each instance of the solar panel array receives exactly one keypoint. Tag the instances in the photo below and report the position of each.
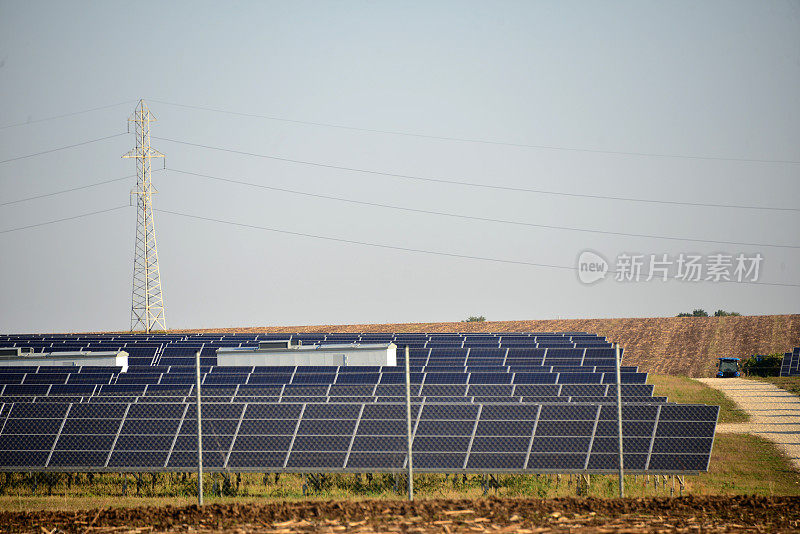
(790, 366)
(521, 402)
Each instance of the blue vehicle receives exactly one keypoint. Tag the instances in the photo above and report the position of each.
(728, 367)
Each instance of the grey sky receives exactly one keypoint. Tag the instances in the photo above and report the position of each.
(709, 79)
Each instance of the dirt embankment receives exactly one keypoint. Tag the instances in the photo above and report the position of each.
(672, 345)
(685, 514)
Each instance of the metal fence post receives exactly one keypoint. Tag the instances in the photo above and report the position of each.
(408, 424)
(199, 436)
(619, 420)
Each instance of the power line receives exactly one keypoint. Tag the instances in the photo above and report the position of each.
(409, 249)
(72, 114)
(87, 186)
(82, 215)
(364, 243)
(476, 184)
(476, 218)
(346, 241)
(54, 193)
(63, 147)
(481, 141)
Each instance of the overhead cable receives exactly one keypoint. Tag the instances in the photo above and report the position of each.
(72, 114)
(62, 148)
(54, 193)
(481, 141)
(477, 218)
(477, 184)
(54, 221)
(410, 249)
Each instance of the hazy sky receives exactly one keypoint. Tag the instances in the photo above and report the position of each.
(686, 102)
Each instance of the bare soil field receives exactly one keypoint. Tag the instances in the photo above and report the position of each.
(713, 514)
(686, 346)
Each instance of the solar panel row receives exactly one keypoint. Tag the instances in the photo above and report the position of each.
(301, 378)
(340, 393)
(482, 402)
(355, 437)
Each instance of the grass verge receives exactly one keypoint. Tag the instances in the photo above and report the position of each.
(741, 464)
(686, 390)
(747, 464)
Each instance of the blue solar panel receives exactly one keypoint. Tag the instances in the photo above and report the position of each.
(136, 460)
(446, 378)
(490, 378)
(534, 378)
(217, 379)
(580, 378)
(277, 429)
(627, 378)
(178, 379)
(316, 460)
(358, 378)
(447, 352)
(399, 378)
(23, 460)
(73, 389)
(124, 389)
(26, 389)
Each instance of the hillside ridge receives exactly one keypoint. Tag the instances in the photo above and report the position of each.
(686, 346)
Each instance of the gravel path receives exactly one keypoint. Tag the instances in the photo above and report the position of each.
(774, 412)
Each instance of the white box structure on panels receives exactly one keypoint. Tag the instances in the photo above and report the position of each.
(293, 355)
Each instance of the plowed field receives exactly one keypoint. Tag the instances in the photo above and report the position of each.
(685, 514)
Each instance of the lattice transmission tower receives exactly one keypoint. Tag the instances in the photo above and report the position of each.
(147, 310)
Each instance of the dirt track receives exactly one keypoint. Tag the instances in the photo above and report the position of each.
(526, 516)
(774, 413)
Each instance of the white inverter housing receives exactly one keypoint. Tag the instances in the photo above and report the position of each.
(18, 358)
(280, 353)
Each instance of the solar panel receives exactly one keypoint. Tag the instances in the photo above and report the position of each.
(535, 378)
(790, 365)
(504, 402)
(490, 378)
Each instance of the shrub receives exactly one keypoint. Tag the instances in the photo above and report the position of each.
(763, 365)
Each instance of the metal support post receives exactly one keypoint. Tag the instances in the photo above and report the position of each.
(619, 420)
(408, 425)
(199, 435)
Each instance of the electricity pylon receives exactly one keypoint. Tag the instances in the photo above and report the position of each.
(147, 310)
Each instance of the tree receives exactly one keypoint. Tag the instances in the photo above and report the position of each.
(723, 313)
(474, 319)
(695, 313)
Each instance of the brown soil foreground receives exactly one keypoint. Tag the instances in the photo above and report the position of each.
(687, 346)
(526, 516)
